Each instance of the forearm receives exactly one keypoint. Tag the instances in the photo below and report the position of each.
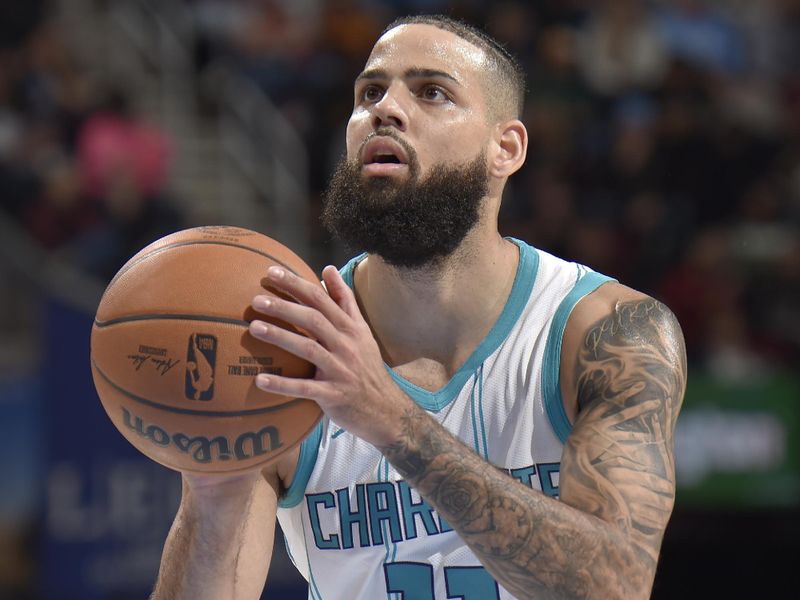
(210, 549)
(533, 545)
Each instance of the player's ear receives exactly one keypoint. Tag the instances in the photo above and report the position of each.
(510, 146)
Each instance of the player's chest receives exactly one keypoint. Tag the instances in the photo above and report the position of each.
(425, 373)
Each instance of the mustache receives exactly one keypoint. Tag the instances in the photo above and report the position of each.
(391, 133)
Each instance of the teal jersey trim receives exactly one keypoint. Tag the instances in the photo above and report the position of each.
(305, 465)
(348, 270)
(520, 292)
(313, 590)
(551, 364)
(289, 552)
(388, 543)
(480, 412)
(476, 444)
(476, 413)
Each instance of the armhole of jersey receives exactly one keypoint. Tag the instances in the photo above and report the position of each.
(551, 365)
(305, 465)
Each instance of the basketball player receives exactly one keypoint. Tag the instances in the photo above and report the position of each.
(499, 421)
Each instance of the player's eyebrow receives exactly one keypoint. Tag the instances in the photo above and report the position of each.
(412, 73)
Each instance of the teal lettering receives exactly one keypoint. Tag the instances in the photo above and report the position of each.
(348, 517)
(413, 580)
(385, 513)
(467, 583)
(412, 510)
(523, 475)
(546, 473)
(444, 526)
(313, 501)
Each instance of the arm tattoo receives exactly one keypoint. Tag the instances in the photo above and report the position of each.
(617, 472)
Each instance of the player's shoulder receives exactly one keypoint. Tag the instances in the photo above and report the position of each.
(602, 302)
(621, 316)
(617, 323)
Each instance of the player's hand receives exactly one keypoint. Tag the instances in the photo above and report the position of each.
(351, 383)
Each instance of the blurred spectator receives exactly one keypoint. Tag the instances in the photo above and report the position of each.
(112, 144)
(43, 98)
(620, 48)
(705, 283)
(559, 103)
(697, 33)
(270, 45)
(728, 349)
(61, 213)
(516, 25)
(123, 164)
(775, 298)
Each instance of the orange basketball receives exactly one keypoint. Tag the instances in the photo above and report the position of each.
(174, 364)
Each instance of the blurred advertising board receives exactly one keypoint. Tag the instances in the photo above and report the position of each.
(107, 508)
(737, 443)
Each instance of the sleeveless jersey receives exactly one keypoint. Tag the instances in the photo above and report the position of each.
(357, 531)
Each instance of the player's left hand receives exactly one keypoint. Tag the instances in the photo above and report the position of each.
(351, 383)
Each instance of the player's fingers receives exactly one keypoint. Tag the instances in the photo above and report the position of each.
(304, 317)
(289, 386)
(340, 292)
(307, 293)
(294, 343)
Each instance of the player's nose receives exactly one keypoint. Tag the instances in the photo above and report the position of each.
(389, 111)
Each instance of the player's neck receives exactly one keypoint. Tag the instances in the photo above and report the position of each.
(442, 312)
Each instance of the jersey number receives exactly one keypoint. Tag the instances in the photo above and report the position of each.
(415, 582)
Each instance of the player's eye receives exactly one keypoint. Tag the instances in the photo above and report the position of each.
(371, 93)
(434, 93)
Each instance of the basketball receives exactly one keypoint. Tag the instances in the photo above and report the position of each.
(174, 364)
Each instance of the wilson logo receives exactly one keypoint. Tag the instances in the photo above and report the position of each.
(201, 366)
(247, 445)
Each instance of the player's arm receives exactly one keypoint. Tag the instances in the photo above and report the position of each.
(617, 474)
(629, 379)
(220, 544)
(617, 484)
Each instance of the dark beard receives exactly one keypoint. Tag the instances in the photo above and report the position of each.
(409, 224)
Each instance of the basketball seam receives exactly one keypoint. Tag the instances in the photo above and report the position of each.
(193, 411)
(125, 269)
(169, 316)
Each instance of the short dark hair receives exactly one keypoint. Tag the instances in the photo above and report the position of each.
(506, 100)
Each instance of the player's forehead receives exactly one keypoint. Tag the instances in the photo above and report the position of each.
(423, 46)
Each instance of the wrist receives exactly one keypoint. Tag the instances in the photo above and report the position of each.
(391, 426)
(220, 493)
(411, 429)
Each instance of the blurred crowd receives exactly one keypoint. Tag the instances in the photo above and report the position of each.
(78, 170)
(665, 140)
(665, 143)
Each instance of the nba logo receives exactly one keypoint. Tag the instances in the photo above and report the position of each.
(201, 366)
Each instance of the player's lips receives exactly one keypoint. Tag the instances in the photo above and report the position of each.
(383, 156)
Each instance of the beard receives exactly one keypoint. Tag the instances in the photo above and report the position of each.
(412, 223)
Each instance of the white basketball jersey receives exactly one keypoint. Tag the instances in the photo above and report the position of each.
(357, 531)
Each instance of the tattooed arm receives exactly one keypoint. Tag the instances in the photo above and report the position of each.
(624, 367)
(622, 362)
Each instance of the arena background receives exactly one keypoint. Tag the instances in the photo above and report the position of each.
(665, 151)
